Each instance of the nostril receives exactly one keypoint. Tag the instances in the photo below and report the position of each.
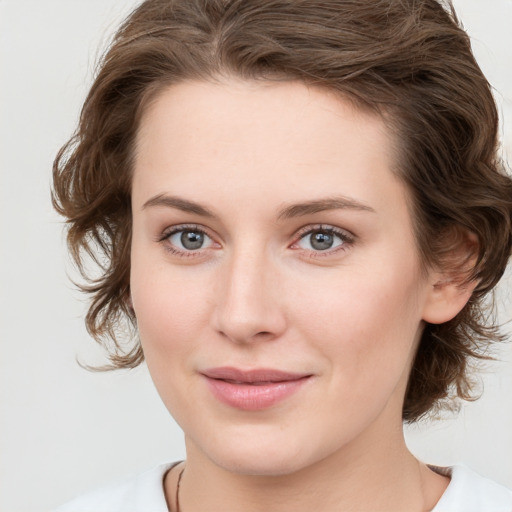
(264, 336)
(246, 336)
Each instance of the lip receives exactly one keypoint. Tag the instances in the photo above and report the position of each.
(253, 390)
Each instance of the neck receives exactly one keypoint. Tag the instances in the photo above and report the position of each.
(380, 475)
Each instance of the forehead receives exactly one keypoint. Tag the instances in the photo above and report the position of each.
(256, 107)
(274, 136)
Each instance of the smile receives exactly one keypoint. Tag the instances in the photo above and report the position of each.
(253, 390)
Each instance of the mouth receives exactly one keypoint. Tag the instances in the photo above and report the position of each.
(253, 390)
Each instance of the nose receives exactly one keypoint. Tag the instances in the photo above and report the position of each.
(249, 303)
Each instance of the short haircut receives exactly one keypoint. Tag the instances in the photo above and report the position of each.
(407, 60)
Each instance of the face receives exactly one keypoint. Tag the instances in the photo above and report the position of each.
(274, 275)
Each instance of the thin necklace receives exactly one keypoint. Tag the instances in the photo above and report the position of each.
(178, 490)
(177, 497)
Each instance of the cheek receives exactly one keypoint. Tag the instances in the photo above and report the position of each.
(171, 314)
(170, 306)
(365, 324)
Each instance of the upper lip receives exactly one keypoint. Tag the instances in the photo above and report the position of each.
(251, 376)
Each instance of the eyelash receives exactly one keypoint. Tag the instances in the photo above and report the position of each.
(168, 233)
(346, 238)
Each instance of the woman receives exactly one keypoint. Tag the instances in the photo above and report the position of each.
(301, 210)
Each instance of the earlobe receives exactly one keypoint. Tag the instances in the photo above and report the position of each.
(451, 286)
(446, 298)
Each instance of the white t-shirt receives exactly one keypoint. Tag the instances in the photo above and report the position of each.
(467, 492)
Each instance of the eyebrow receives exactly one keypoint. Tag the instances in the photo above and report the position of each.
(180, 204)
(320, 205)
(294, 210)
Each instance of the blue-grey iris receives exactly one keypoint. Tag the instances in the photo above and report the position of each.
(192, 240)
(321, 241)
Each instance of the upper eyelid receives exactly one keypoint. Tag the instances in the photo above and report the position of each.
(170, 230)
(301, 231)
(167, 233)
(324, 227)
(347, 237)
(345, 234)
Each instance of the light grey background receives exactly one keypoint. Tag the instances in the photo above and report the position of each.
(64, 430)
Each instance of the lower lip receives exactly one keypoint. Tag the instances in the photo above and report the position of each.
(254, 397)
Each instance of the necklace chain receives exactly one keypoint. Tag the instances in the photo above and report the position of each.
(178, 491)
(178, 483)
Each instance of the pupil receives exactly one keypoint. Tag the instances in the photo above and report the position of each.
(192, 240)
(321, 241)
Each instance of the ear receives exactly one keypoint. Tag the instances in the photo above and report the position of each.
(446, 299)
(450, 289)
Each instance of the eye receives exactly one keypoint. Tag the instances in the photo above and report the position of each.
(187, 239)
(323, 239)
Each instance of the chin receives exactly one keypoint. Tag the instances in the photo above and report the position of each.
(265, 457)
(261, 465)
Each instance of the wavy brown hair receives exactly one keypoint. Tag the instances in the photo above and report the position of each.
(408, 60)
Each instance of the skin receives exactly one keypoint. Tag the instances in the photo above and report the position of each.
(258, 294)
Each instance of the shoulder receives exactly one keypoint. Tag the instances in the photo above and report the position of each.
(470, 492)
(142, 493)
